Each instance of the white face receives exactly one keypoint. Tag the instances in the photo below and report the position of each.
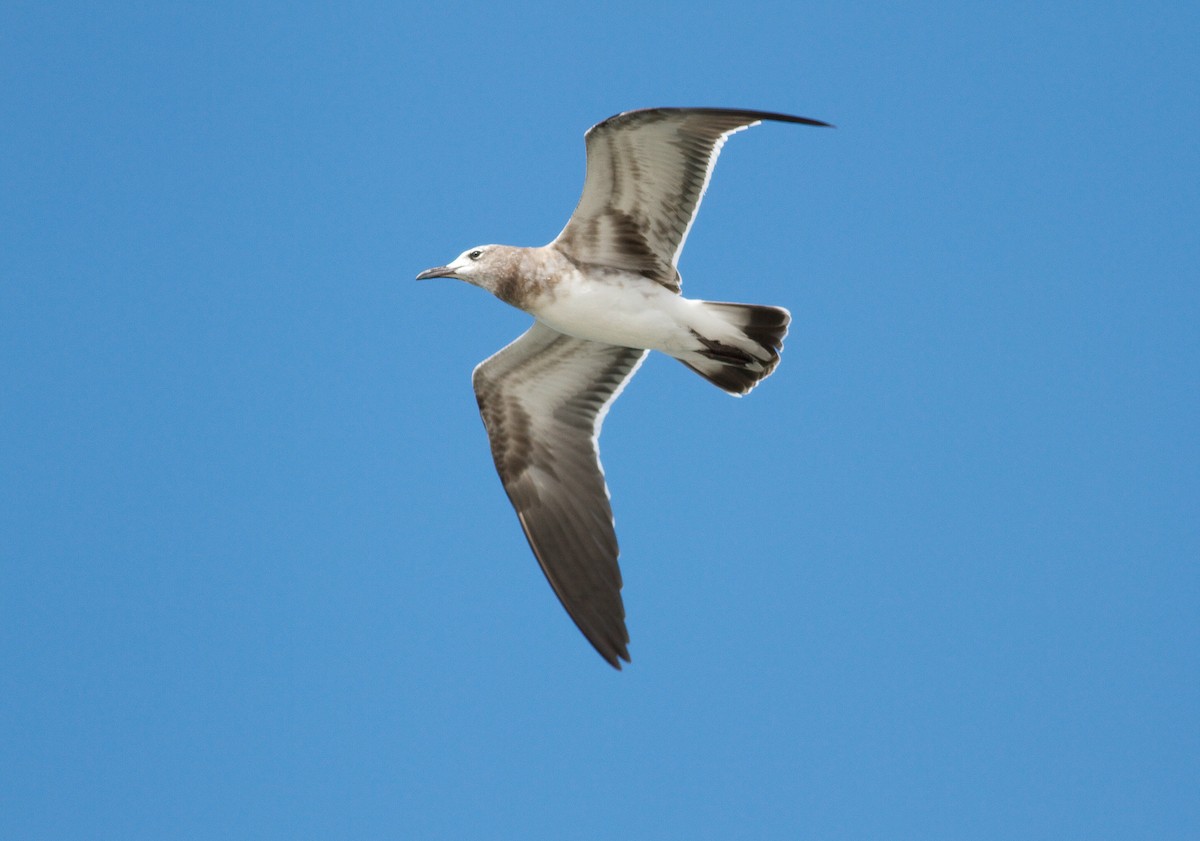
(479, 265)
(470, 262)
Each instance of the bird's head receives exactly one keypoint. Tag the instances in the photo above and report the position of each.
(484, 266)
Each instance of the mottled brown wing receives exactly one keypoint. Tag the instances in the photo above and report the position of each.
(646, 174)
(543, 399)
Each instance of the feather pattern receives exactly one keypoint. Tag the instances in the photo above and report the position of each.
(647, 171)
(543, 399)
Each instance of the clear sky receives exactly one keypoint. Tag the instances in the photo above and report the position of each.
(937, 578)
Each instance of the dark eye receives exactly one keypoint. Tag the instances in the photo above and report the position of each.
(474, 255)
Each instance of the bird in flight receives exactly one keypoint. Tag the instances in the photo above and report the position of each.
(603, 294)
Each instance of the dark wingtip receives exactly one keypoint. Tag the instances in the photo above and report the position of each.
(612, 653)
(740, 112)
(789, 118)
(614, 660)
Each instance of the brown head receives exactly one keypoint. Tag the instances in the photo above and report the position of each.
(496, 268)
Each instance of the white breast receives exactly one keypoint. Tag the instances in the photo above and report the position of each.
(618, 308)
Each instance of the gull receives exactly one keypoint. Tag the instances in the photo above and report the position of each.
(604, 294)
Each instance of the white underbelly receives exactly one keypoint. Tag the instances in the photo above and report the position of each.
(635, 313)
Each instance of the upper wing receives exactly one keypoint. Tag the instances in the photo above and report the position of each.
(543, 399)
(646, 173)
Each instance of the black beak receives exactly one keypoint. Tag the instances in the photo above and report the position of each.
(440, 271)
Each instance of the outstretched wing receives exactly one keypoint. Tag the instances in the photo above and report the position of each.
(646, 174)
(543, 399)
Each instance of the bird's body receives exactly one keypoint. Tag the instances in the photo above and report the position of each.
(610, 305)
(604, 293)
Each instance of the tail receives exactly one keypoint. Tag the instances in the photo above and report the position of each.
(737, 345)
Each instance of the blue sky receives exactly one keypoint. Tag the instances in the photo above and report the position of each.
(937, 578)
